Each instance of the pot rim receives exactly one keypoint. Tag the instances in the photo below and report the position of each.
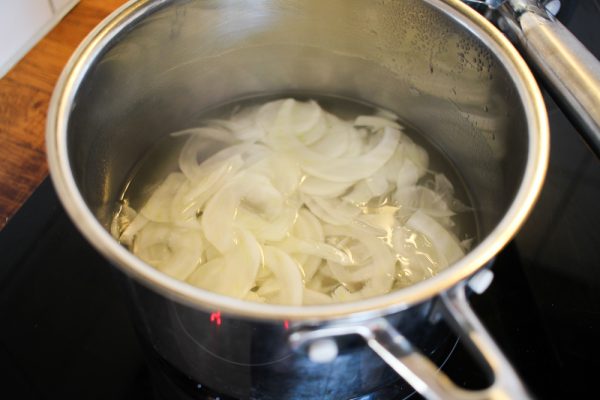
(64, 183)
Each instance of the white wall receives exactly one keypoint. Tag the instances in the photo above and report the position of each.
(23, 23)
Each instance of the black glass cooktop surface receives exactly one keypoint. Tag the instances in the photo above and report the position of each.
(65, 332)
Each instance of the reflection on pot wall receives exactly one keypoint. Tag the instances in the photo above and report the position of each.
(456, 92)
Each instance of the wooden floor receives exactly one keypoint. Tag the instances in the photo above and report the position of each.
(24, 95)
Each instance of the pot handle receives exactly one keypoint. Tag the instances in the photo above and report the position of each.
(420, 372)
(571, 71)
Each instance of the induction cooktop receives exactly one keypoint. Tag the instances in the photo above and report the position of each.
(65, 332)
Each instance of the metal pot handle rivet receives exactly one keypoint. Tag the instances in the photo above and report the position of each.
(323, 351)
(415, 368)
(481, 281)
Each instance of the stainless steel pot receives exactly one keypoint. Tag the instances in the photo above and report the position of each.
(153, 65)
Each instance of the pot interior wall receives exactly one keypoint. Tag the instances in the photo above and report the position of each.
(159, 73)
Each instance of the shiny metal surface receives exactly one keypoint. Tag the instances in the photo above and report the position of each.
(566, 65)
(148, 69)
(422, 374)
(252, 359)
(572, 72)
(153, 66)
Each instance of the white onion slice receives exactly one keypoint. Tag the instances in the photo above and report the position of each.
(380, 269)
(446, 245)
(375, 122)
(287, 273)
(301, 119)
(156, 208)
(128, 235)
(338, 139)
(235, 273)
(313, 297)
(386, 114)
(218, 219)
(190, 199)
(269, 288)
(307, 226)
(332, 211)
(310, 266)
(174, 251)
(416, 154)
(321, 250)
(351, 168)
(212, 133)
(323, 188)
(285, 174)
(274, 229)
(408, 175)
(253, 296)
(378, 184)
(242, 125)
(360, 194)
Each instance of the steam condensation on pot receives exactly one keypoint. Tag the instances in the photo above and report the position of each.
(287, 203)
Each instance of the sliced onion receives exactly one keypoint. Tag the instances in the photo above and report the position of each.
(378, 184)
(341, 294)
(190, 199)
(337, 141)
(235, 273)
(274, 229)
(194, 149)
(418, 260)
(310, 266)
(269, 288)
(174, 251)
(332, 211)
(416, 154)
(381, 267)
(313, 297)
(360, 194)
(157, 207)
(445, 189)
(128, 235)
(285, 117)
(386, 114)
(126, 223)
(375, 122)
(321, 282)
(313, 186)
(415, 198)
(408, 175)
(218, 217)
(287, 273)
(285, 174)
(321, 250)
(351, 168)
(307, 226)
(285, 203)
(242, 125)
(208, 135)
(446, 245)
(253, 296)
